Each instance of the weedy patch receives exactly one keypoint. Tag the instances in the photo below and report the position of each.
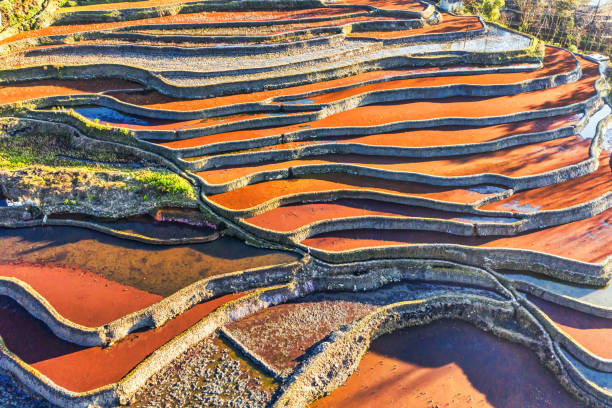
(59, 175)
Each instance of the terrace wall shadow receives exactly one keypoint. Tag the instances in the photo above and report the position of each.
(499, 374)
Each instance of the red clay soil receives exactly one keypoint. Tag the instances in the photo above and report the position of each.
(588, 240)
(195, 18)
(449, 24)
(440, 136)
(255, 194)
(23, 91)
(81, 369)
(291, 217)
(591, 332)
(410, 5)
(513, 162)
(562, 195)
(471, 107)
(556, 62)
(155, 100)
(448, 364)
(82, 297)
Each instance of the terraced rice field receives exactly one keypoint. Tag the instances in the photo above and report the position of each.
(374, 183)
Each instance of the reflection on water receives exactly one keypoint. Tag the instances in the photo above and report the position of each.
(485, 189)
(114, 117)
(160, 270)
(496, 39)
(147, 226)
(302, 101)
(593, 295)
(603, 380)
(517, 206)
(588, 132)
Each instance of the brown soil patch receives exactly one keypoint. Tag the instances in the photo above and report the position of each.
(159, 270)
(281, 334)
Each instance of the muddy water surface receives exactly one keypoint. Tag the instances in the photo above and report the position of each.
(448, 364)
(159, 270)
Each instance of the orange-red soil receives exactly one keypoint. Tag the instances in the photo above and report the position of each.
(555, 61)
(23, 91)
(472, 107)
(448, 364)
(195, 18)
(562, 195)
(255, 194)
(515, 162)
(593, 333)
(440, 136)
(587, 240)
(82, 297)
(449, 24)
(411, 5)
(78, 368)
(160, 270)
(156, 100)
(291, 217)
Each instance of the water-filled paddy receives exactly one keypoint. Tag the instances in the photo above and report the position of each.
(598, 296)
(160, 270)
(448, 364)
(79, 368)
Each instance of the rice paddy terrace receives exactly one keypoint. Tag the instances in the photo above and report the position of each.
(384, 204)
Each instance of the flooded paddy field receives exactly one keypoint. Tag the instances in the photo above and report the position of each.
(586, 240)
(92, 278)
(448, 364)
(79, 368)
(256, 194)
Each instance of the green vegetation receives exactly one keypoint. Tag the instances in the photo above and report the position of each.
(19, 13)
(574, 24)
(165, 183)
(489, 9)
(51, 167)
(55, 150)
